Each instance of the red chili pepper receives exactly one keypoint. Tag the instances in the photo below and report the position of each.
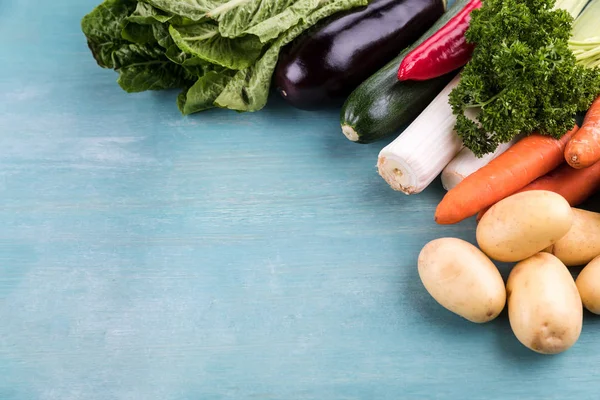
(445, 51)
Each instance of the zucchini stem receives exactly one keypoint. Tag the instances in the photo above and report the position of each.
(350, 133)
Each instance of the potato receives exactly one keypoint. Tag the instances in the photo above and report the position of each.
(582, 243)
(462, 279)
(544, 307)
(524, 224)
(588, 284)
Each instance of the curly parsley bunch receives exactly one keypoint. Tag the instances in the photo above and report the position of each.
(523, 78)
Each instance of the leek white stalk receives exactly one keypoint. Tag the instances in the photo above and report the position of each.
(573, 7)
(585, 38)
(465, 163)
(412, 161)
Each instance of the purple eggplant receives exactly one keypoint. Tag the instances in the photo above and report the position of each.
(326, 63)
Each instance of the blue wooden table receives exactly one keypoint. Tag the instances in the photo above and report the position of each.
(144, 255)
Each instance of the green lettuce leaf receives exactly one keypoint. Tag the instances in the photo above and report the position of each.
(193, 65)
(141, 64)
(176, 55)
(249, 88)
(136, 33)
(146, 68)
(195, 10)
(265, 19)
(223, 53)
(145, 14)
(155, 75)
(204, 41)
(162, 35)
(202, 95)
(278, 24)
(283, 16)
(103, 28)
(236, 18)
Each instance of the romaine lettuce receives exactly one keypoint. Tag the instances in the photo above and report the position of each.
(221, 53)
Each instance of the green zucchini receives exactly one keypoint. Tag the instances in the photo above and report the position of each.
(382, 104)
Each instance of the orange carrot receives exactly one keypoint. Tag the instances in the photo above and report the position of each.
(575, 185)
(530, 158)
(584, 149)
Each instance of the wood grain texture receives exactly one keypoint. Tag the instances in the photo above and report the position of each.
(144, 255)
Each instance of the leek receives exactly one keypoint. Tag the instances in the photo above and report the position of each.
(466, 162)
(585, 39)
(412, 161)
(573, 7)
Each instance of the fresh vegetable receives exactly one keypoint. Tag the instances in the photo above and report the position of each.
(521, 78)
(585, 38)
(465, 163)
(527, 160)
(582, 243)
(544, 306)
(446, 51)
(584, 149)
(462, 279)
(573, 7)
(575, 185)
(588, 284)
(524, 224)
(222, 53)
(412, 161)
(381, 105)
(328, 62)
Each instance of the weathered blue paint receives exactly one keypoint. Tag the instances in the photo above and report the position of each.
(144, 255)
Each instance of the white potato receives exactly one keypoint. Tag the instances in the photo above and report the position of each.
(582, 243)
(524, 224)
(588, 284)
(544, 307)
(462, 279)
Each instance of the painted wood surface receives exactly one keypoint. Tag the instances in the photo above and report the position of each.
(144, 255)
